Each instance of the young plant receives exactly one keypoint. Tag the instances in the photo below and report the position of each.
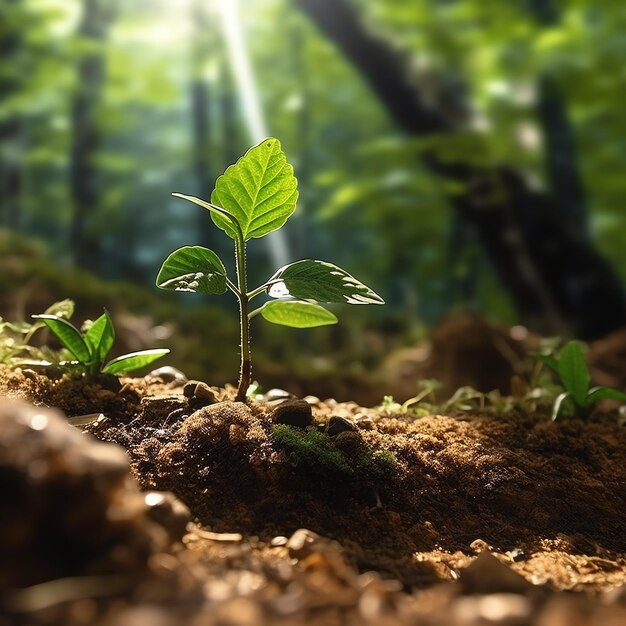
(15, 338)
(91, 347)
(251, 199)
(577, 400)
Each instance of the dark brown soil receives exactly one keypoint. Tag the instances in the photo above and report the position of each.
(414, 499)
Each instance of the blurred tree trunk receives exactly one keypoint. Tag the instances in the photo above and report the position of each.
(11, 124)
(84, 241)
(561, 159)
(557, 281)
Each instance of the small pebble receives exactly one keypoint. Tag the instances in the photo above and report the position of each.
(293, 413)
(338, 424)
(279, 541)
(169, 374)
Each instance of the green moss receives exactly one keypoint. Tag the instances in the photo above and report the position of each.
(310, 450)
(314, 452)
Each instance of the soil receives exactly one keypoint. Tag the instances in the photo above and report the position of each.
(410, 520)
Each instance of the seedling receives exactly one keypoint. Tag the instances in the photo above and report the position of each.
(251, 199)
(577, 400)
(15, 338)
(91, 347)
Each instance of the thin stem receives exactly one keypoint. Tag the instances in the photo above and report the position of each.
(262, 288)
(245, 372)
(232, 286)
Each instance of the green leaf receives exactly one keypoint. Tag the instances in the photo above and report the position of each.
(573, 371)
(563, 406)
(597, 394)
(296, 314)
(260, 191)
(215, 210)
(547, 359)
(195, 269)
(100, 337)
(133, 361)
(322, 282)
(69, 336)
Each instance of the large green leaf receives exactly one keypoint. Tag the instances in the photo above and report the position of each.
(320, 281)
(133, 361)
(195, 269)
(296, 314)
(69, 336)
(573, 371)
(260, 190)
(100, 337)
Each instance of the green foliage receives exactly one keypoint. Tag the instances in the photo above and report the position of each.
(15, 337)
(194, 269)
(577, 400)
(91, 347)
(259, 191)
(313, 452)
(296, 314)
(310, 450)
(251, 199)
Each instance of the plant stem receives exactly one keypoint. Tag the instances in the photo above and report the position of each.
(245, 372)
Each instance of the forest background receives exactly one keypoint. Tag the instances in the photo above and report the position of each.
(452, 154)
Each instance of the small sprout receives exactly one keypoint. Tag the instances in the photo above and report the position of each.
(15, 338)
(91, 347)
(577, 400)
(253, 198)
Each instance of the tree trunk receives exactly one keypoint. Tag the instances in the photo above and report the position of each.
(11, 125)
(84, 241)
(557, 281)
(561, 159)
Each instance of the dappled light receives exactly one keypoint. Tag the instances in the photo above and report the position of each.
(312, 312)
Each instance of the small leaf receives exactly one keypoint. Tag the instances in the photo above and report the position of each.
(260, 191)
(322, 282)
(100, 337)
(215, 210)
(133, 361)
(547, 359)
(69, 336)
(597, 394)
(573, 371)
(194, 269)
(563, 406)
(296, 314)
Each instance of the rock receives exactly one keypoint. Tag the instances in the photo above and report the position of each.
(293, 413)
(478, 545)
(338, 424)
(167, 510)
(72, 508)
(158, 408)
(486, 574)
(169, 374)
(202, 396)
(279, 541)
(303, 543)
(275, 396)
(189, 389)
